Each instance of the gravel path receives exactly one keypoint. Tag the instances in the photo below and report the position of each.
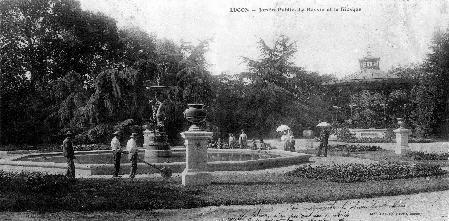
(422, 206)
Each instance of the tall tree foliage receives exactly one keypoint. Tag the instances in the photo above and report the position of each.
(274, 91)
(435, 80)
(70, 68)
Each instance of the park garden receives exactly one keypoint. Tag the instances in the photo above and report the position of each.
(65, 69)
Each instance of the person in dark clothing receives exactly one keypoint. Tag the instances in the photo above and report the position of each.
(67, 149)
(324, 138)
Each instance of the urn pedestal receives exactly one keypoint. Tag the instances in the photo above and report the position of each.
(196, 172)
(196, 141)
(402, 135)
(155, 145)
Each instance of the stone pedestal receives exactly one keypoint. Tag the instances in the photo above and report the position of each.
(196, 172)
(402, 135)
(155, 145)
(148, 136)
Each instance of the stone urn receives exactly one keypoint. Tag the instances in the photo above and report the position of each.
(195, 114)
(401, 122)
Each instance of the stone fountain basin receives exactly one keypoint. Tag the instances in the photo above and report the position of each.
(274, 158)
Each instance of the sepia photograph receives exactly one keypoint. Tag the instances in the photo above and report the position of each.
(236, 110)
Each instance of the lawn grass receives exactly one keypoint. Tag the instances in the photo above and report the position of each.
(89, 194)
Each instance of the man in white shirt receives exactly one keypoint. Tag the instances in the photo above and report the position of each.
(131, 147)
(117, 152)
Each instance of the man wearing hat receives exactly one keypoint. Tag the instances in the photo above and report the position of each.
(67, 149)
(131, 147)
(324, 137)
(117, 151)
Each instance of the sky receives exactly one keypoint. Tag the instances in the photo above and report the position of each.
(328, 42)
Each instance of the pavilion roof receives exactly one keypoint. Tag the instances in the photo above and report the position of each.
(371, 78)
(366, 75)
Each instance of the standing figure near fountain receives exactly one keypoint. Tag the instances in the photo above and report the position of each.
(243, 140)
(324, 139)
(286, 139)
(231, 142)
(67, 149)
(117, 152)
(291, 140)
(131, 147)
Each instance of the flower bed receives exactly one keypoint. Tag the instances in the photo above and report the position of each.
(385, 140)
(427, 156)
(354, 172)
(353, 148)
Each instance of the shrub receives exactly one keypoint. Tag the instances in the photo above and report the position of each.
(33, 182)
(387, 139)
(82, 138)
(370, 140)
(354, 172)
(100, 133)
(427, 156)
(420, 140)
(343, 134)
(353, 148)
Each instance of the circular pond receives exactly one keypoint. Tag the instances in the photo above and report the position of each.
(100, 162)
(177, 156)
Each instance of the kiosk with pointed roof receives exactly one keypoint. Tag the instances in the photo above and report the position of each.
(371, 78)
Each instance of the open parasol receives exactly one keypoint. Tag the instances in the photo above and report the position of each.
(323, 124)
(282, 128)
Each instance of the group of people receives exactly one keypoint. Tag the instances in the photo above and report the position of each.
(131, 148)
(289, 140)
(241, 143)
(233, 143)
(117, 150)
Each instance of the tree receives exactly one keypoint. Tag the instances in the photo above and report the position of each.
(435, 78)
(274, 91)
(53, 54)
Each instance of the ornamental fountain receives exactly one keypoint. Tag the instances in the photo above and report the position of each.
(155, 135)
